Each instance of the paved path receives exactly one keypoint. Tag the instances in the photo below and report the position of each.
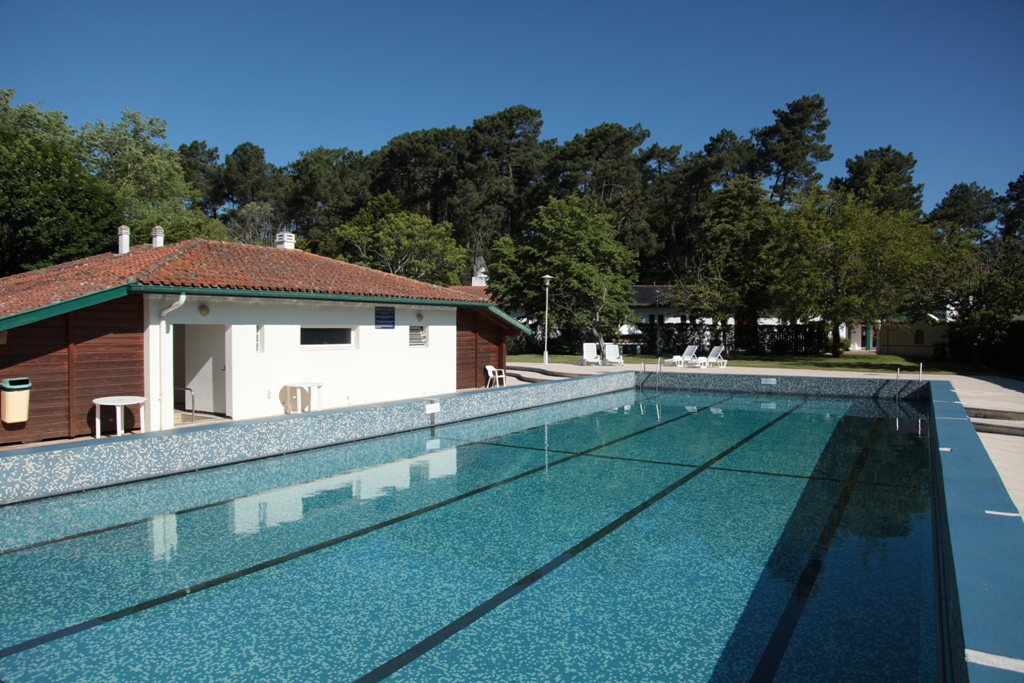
(1007, 453)
(981, 392)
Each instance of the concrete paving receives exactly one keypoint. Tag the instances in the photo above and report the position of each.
(1007, 453)
(980, 393)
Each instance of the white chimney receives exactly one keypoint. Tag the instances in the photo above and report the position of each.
(122, 239)
(285, 240)
(158, 237)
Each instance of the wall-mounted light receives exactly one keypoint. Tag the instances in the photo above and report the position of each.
(419, 317)
(3, 337)
(204, 310)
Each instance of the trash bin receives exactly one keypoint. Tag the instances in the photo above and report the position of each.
(14, 393)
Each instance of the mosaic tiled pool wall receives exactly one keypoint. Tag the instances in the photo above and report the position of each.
(868, 387)
(982, 542)
(40, 471)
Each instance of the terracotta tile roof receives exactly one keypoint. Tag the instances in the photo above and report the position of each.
(209, 264)
(652, 296)
(479, 291)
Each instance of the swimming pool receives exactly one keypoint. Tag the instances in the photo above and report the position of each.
(678, 536)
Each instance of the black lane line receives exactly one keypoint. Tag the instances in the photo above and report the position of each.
(204, 506)
(458, 442)
(809, 477)
(113, 527)
(433, 640)
(183, 592)
(774, 651)
(210, 583)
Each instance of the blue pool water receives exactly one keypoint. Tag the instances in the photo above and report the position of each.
(671, 537)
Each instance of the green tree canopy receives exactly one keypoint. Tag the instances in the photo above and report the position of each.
(730, 274)
(49, 126)
(978, 273)
(606, 165)
(385, 238)
(790, 149)
(1011, 217)
(328, 188)
(146, 176)
(966, 213)
(202, 170)
(884, 178)
(842, 261)
(51, 209)
(572, 240)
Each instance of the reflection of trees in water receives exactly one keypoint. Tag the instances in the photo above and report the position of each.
(892, 496)
(517, 528)
(877, 513)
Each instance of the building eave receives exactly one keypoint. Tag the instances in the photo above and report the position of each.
(71, 305)
(60, 308)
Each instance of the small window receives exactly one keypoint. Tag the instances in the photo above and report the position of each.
(325, 336)
(919, 337)
(261, 340)
(417, 335)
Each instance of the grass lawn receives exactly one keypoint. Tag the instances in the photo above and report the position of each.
(852, 362)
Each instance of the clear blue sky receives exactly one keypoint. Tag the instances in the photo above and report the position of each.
(940, 79)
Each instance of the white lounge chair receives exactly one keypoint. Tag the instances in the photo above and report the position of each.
(495, 376)
(590, 354)
(714, 357)
(684, 360)
(612, 354)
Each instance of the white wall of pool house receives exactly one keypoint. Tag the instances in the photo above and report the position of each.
(378, 365)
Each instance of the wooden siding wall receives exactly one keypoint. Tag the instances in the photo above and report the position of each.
(479, 342)
(72, 359)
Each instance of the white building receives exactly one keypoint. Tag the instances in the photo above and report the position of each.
(235, 324)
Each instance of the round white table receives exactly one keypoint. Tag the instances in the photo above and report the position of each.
(119, 402)
(308, 387)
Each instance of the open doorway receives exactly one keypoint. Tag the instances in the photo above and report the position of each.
(200, 364)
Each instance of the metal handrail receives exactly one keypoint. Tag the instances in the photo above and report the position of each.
(193, 399)
(658, 384)
(643, 371)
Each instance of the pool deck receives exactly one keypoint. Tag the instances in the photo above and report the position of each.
(983, 393)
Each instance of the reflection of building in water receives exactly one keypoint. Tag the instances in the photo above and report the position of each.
(163, 536)
(271, 508)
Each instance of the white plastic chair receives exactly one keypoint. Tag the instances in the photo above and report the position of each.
(684, 360)
(612, 354)
(495, 376)
(714, 357)
(590, 354)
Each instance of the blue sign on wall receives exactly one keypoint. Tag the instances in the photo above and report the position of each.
(384, 317)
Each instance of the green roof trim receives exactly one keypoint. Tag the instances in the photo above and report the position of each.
(509, 319)
(325, 296)
(60, 308)
(44, 312)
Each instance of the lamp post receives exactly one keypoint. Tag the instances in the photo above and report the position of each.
(547, 286)
(657, 321)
